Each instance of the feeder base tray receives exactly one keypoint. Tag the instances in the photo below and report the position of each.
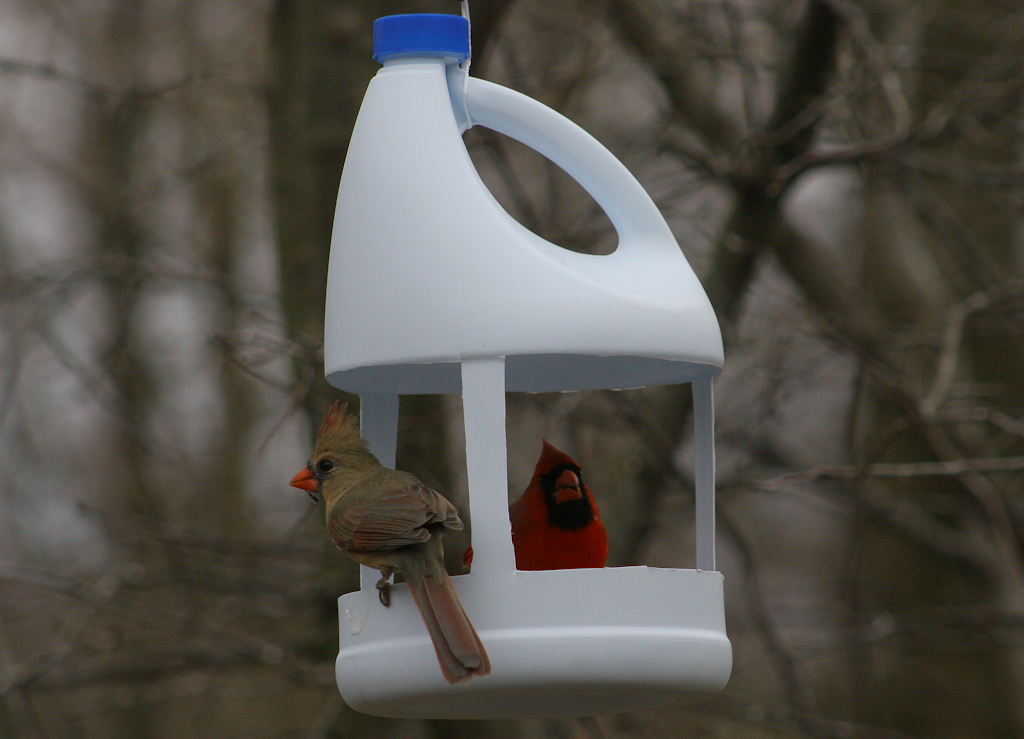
(561, 643)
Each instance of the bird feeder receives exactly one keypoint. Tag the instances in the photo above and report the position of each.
(434, 288)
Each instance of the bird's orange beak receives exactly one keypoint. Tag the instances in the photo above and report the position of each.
(304, 480)
(567, 487)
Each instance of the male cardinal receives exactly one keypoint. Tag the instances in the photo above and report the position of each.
(555, 524)
(391, 521)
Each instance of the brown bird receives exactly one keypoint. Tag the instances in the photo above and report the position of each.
(389, 520)
(555, 524)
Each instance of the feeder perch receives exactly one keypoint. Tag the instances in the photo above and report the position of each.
(434, 288)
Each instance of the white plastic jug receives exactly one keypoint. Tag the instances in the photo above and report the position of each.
(434, 288)
(427, 267)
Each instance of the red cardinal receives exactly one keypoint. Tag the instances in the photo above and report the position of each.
(389, 520)
(555, 524)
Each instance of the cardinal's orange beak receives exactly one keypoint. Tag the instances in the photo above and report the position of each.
(567, 487)
(304, 480)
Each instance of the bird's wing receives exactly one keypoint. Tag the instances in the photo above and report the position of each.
(394, 519)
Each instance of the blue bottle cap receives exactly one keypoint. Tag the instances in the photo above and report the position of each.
(421, 34)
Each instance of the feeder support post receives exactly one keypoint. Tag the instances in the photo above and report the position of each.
(483, 408)
(704, 469)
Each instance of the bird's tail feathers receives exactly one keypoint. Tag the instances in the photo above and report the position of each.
(459, 649)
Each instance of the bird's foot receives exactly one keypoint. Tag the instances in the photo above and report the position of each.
(384, 592)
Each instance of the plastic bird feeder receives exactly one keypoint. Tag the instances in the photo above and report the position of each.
(434, 288)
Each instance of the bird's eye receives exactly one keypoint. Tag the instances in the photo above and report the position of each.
(324, 466)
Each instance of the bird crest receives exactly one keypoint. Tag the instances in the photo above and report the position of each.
(339, 429)
(551, 457)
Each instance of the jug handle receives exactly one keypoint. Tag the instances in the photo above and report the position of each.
(637, 220)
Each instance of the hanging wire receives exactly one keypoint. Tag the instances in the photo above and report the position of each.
(465, 14)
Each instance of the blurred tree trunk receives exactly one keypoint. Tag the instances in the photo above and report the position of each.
(321, 62)
(113, 127)
(115, 123)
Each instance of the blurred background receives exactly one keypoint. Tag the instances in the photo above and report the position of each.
(846, 178)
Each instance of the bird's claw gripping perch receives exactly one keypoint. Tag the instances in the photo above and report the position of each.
(384, 592)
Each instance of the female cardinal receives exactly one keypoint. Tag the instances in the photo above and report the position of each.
(555, 524)
(391, 521)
